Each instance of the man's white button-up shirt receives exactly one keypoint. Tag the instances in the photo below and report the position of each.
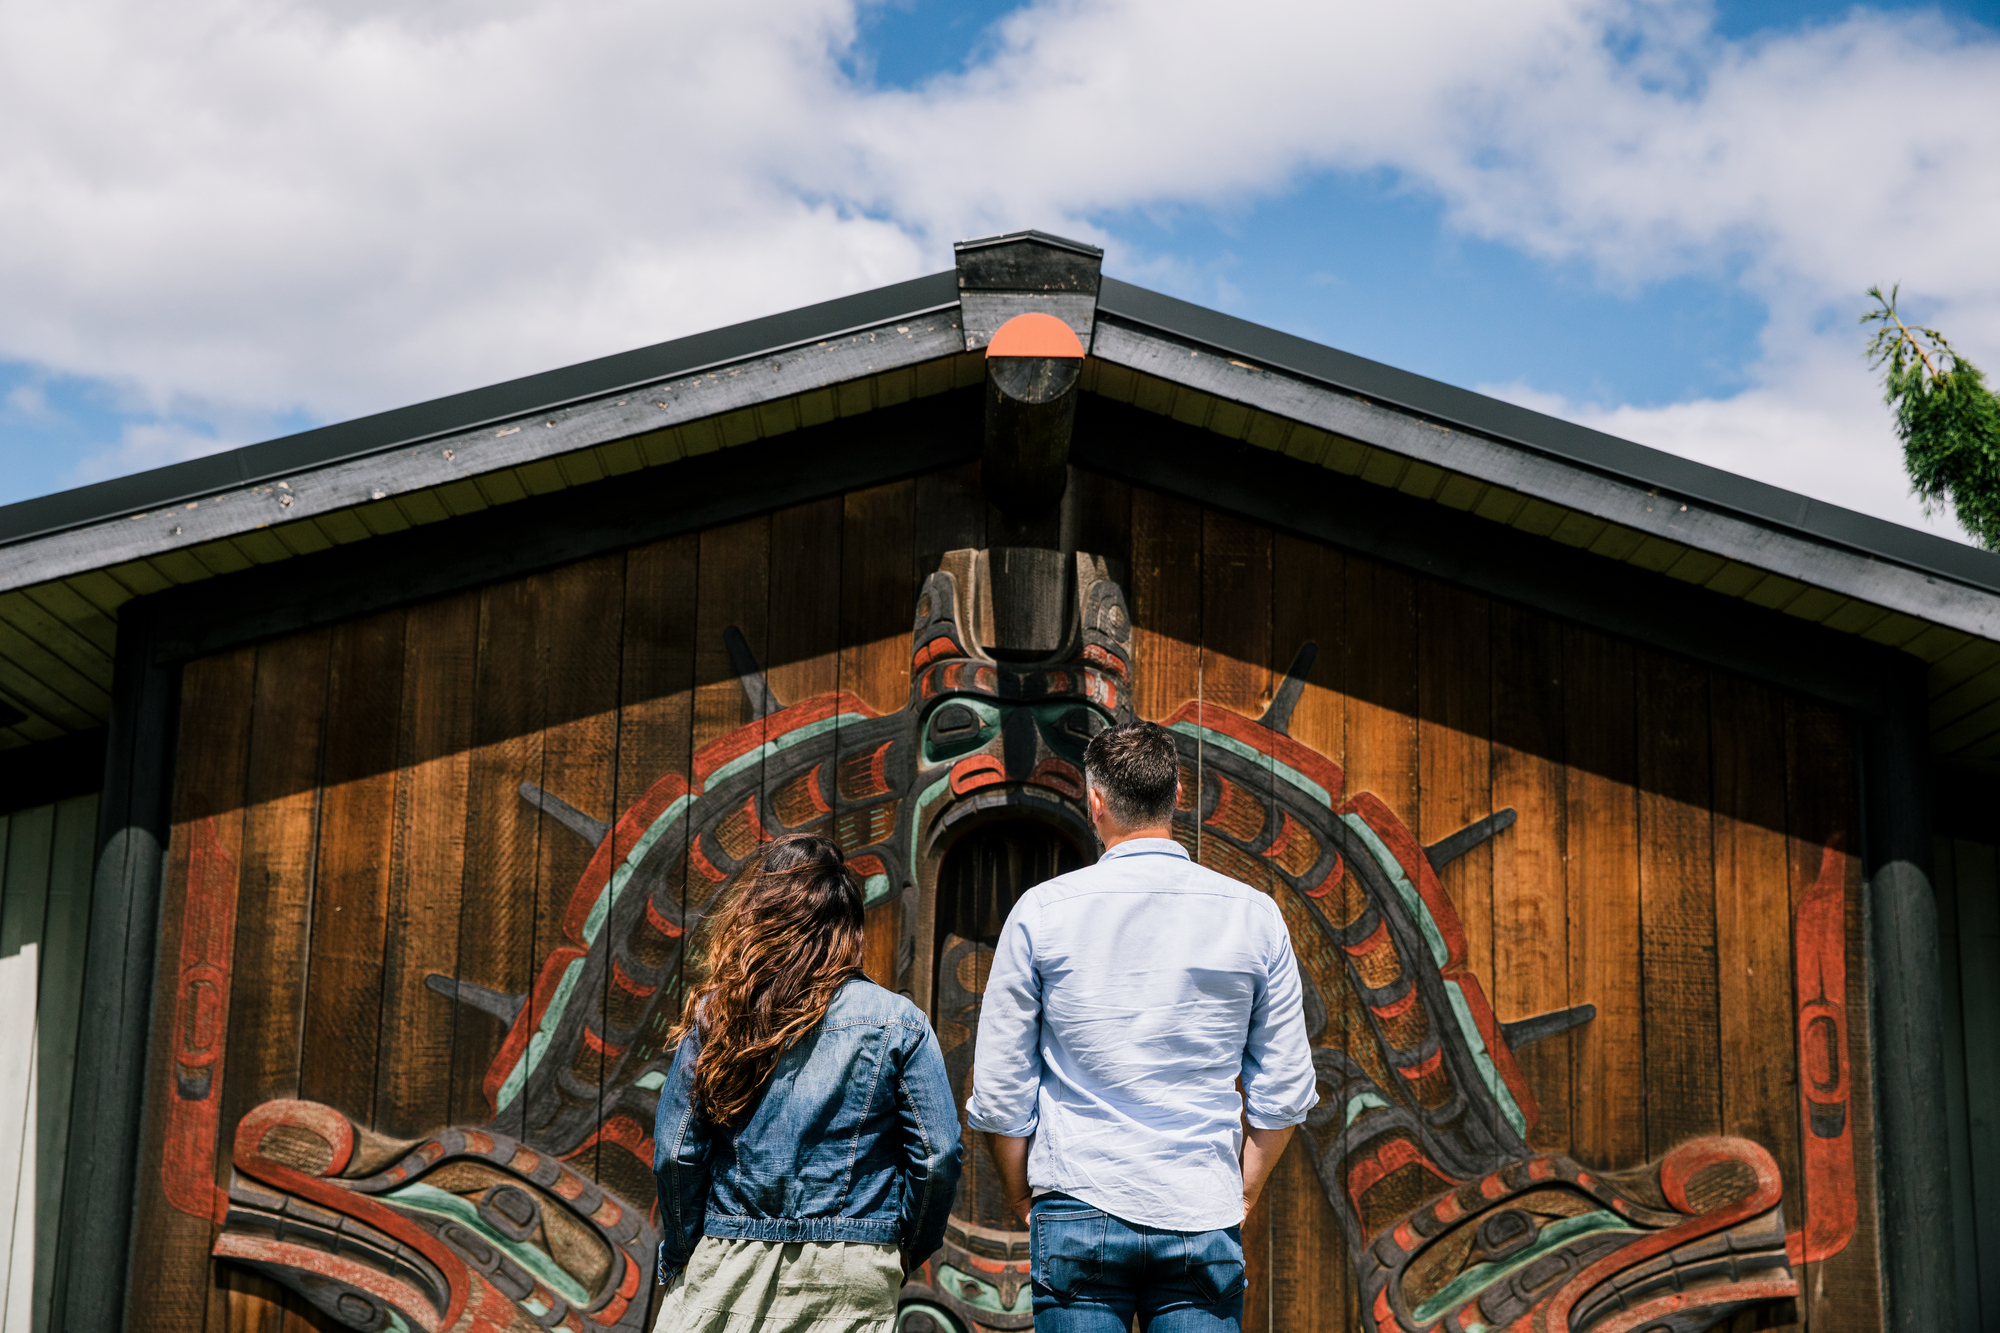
(1125, 1001)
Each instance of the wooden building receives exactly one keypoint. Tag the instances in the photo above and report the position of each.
(366, 792)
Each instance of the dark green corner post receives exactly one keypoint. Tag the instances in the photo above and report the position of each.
(1914, 1159)
(95, 1240)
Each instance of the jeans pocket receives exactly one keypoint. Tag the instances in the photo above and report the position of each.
(1066, 1249)
(1215, 1263)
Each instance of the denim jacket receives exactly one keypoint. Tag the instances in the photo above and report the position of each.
(855, 1139)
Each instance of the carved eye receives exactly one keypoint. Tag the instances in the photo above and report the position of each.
(1080, 724)
(952, 723)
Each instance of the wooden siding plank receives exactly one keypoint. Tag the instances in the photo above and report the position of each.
(1236, 646)
(343, 1013)
(496, 908)
(1608, 1083)
(1978, 885)
(878, 574)
(1532, 956)
(1681, 1019)
(170, 1270)
(579, 764)
(1454, 752)
(1753, 948)
(1380, 646)
(426, 864)
(1310, 1277)
(1103, 520)
(806, 558)
(1822, 810)
(950, 516)
(287, 707)
(65, 935)
(877, 554)
(1235, 674)
(1166, 601)
(656, 698)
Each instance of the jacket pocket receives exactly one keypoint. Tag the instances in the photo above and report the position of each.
(1066, 1249)
(1215, 1263)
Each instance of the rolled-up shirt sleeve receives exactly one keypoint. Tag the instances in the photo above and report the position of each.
(1007, 1061)
(1279, 1084)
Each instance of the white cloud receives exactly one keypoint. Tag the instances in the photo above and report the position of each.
(150, 444)
(266, 206)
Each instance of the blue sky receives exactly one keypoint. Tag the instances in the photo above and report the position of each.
(1395, 258)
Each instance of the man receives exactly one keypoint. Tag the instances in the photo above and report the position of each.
(1125, 1002)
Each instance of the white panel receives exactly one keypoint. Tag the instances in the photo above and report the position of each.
(18, 977)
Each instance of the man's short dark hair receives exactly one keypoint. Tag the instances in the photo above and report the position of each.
(1134, 766)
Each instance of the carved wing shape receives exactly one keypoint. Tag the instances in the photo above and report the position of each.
(1421, 1136)
(544, 1216)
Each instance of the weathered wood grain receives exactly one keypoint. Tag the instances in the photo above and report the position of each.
(1165, 596)
(171, 1267)
(1753, 943)
(502, 834)
(1308, 1281)
(427, 865)
(656, 681)
(1845, 1290)
(1608, 1080)
(1103, 516)
(877, 570)
(580, 654)
(949, 514)
(1380, 648)
(1531, 925)
(735, 582)
(1676, 903)
(1454, 752)
(803, 653)
(1235, 675)
(343, 1011)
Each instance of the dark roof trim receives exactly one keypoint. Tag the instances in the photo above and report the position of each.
(292, 454)
(1008, 238)
(1550, 436)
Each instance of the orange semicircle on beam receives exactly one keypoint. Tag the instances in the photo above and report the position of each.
(1034, 334)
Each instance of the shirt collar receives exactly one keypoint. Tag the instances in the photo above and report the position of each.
(1143, 847)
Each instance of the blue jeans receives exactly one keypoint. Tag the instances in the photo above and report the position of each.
(1092, 1272)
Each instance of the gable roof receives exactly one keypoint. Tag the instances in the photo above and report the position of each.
(69, 561)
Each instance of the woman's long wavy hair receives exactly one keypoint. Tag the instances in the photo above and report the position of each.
(786, 940)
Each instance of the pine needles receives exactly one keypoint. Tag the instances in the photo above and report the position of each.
(1948, 419)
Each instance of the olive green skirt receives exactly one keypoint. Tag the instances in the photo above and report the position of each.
(769, 1286)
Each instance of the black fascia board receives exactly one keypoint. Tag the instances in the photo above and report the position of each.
(291, 454)
(1771, 506)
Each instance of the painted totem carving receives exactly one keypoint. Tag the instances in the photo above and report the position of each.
(541, 1216)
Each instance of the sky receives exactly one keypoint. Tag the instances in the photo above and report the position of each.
(226, 220)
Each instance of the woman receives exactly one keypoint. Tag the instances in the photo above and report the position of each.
(806, 1145)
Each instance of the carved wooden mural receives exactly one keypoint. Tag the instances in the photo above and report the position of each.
(1444, 1204)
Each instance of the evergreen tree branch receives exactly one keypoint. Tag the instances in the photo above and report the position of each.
(1947, 418)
